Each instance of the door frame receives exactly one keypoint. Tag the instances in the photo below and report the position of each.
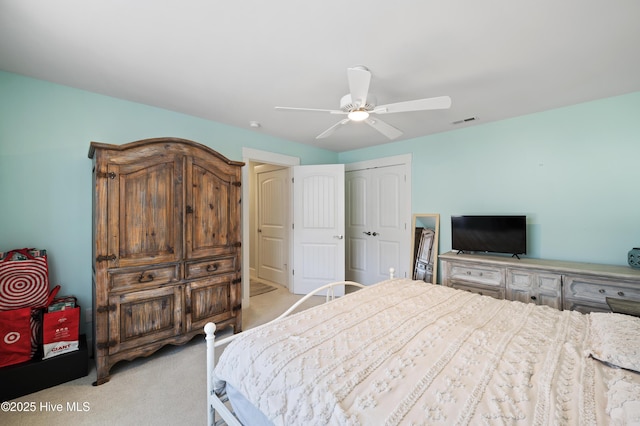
(257, 156)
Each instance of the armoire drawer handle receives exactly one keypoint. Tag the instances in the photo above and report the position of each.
(212, 268)
(533, 298)
(602, 290)
(145, 278)
(621, 293)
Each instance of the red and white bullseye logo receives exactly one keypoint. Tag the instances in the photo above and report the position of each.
(11, 337)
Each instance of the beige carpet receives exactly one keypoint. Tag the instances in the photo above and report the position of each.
(167, 388)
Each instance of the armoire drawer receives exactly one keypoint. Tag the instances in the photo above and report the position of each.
(214, 266)
(149, 276)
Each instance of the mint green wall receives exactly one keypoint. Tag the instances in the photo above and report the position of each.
(573, 171)
(45, 174)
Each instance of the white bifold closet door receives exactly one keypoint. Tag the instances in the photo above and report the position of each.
(376, 224)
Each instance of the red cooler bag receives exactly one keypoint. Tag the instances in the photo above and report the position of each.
(15, 336)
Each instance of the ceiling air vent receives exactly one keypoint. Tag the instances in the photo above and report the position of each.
(465, 120)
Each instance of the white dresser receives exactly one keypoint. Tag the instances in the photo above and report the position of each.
(563, 285)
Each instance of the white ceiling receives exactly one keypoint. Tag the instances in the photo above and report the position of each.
(234, 61)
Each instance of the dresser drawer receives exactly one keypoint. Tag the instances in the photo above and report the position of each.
(594, 290)
(137, 278)
(214, 266)
(496, 293)
(472, 274)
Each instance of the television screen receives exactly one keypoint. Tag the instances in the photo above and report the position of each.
(495, 234)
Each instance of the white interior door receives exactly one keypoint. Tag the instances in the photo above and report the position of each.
(318, 232)
(273, 204)
(377, 225)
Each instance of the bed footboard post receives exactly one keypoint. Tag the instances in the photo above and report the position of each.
(209, 330)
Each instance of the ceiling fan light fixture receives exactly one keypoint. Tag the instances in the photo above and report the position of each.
(358, 115)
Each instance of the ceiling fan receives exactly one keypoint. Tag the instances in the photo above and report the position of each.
(360, 105)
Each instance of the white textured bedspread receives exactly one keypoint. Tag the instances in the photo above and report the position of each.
(407, 352)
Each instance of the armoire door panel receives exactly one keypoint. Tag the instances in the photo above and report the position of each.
(207, 211)
(208, 300)
(144, 199)
(143, 317)
(211, 203)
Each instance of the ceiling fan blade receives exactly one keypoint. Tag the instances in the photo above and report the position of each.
(332, 129)
(359, 80)
(386, 129)
(440, 102)
(332, 111)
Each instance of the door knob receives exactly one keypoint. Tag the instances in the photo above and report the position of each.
(375, 234)
(366, 233)
(338, 237)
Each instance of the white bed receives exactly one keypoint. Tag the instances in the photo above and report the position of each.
(408, 352)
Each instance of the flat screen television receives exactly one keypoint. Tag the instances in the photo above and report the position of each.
(493, 234)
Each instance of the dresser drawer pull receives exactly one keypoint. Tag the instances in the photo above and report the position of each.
(145, 278)
(621, 293)
(468, 272)
(212, 268)
(480, 274)
(533, 298)
(602, 290)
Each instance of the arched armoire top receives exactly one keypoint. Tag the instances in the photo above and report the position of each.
(172, 144)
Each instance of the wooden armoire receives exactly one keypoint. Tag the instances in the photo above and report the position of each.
(166, 246)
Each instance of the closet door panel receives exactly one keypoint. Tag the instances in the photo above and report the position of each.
(386, 215)
(358, 224)
(377, 229)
